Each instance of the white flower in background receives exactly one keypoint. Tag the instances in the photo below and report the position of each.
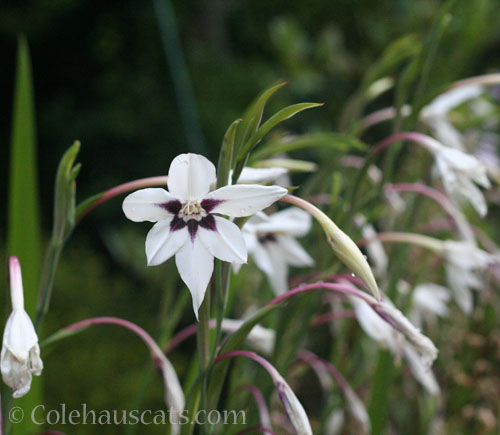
(271, 242)
(260, 175)
(459, 171)
(186, 222)
(20, 358)
(260, 338)
(374, 247)
(429, 301)
(435, 114)
(418, 353)
(464, 262)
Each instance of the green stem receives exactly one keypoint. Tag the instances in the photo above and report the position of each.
(203, 344)
(47, 279)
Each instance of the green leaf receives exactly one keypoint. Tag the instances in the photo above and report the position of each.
(272, 122)
(336, 141)
(23, 227)
(253, 116)
(399, 51)
(24, 234)
(226, 154)
(219, 371)
(64, 220)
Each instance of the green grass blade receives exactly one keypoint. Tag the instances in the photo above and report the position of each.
(23, 231)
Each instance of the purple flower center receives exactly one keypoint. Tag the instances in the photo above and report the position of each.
(200, 213)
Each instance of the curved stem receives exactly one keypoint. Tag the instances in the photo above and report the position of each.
(431, 243)
(439, 198)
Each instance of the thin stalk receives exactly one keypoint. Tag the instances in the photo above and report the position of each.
(203, 345)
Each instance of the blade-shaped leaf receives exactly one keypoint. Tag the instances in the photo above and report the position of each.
(24, 233)
(253, 116)
(336, 141)
(226, 154)
(272, 122)
(24, 237)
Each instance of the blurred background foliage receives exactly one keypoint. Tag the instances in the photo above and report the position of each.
(103, 76)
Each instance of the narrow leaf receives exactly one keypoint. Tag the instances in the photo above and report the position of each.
(253, 117)
(226, 154)
(23, 228)
(335, 141)
(272, 122)
(24, 234)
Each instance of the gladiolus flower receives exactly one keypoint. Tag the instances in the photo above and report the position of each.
(20, 358)
(187, 224)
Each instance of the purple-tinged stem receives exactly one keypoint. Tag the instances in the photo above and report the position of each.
(124, 188)
(155, 350)
(265, 419)
(441, 199)
(312, 359)
(419, 138)
(338, 288)
(485, 79)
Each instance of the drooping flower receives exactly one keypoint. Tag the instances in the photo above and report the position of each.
(187, 221)
(460, 172)
(464, 262)
(407, 342)
(20, 358)
(271, 242)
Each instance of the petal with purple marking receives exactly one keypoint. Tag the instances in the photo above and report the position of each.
(162, 243)
(147, 205)
(226, 242)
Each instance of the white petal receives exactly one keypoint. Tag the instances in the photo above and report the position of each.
(279, 275)
(195, 265)
(292, 220)
(260, 175)
(374, 325)
(244, 200)
(262, 258)
(293, 252)
(421, 371)
(161, 243)
(145, 205)
(19, 335)
(226, 242)
(190, 176)
(293, 407)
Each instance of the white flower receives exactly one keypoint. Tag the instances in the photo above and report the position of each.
(20, 358)
(429, 301)
(435, 114)
(271, 242)
(186, 223)
(463, 262)
(260, 175)
(459, 171)
(417, 349)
